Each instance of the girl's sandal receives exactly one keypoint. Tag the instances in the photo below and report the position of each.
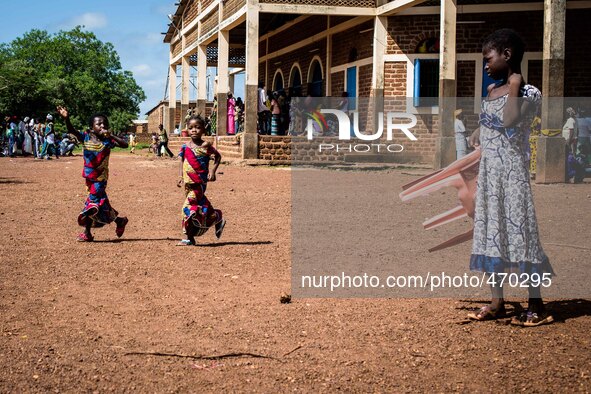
(186, 242)
(83, 237)
(532, 319)
(487, 313)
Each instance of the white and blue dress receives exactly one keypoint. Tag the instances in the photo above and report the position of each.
(506, 236)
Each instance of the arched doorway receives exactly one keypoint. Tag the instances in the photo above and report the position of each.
(315, 79)
(295, 81)
(278, 81)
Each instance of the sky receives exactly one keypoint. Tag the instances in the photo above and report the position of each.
(133, 26)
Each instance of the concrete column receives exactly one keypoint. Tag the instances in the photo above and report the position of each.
(445, 149)
(552, 150)
(250, 141)
(379, 50)
(171, 98)
(185, 86)
(328, 78)
(378, 68)
(201, 79)
(231, 83)
(223, 80)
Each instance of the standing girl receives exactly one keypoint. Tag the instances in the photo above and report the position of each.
(275, 114)
(231, 127)
(97, 142)
(198, 213)
(505, 227)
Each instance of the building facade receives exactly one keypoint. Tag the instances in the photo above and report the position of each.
(377, 48)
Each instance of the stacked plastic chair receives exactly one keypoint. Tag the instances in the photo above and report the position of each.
(461, 174)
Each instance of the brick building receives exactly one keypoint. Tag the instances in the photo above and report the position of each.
(377, 48)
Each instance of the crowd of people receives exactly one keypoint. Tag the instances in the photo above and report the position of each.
(279, 113)
(33, 137)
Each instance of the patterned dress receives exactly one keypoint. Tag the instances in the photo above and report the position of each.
(97, 209)
(505, 227)
(198, 213)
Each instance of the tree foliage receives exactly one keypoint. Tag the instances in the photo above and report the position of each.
(39, 71)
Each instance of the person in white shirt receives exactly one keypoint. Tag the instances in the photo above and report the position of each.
(49, 146)
(460, 132)
(569, 130)
(263, 111)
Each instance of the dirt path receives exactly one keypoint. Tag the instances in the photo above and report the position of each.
(73, 313)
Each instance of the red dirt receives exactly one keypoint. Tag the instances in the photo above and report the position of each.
(72, 312)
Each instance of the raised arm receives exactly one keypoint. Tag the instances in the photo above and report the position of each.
(512, 112)
(63, 111)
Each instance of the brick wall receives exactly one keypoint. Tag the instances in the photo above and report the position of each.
(275, 148)
(342, 44)
(191, 13)
(337, 83)
(465, 73)
(229, 147)
(291, 149)
(303, 57)
(288, 148)
(205, 4)
(351, 40)
(422, 150)
(156, 117)
(406, 32)
(209, 23)
(231, 6)
(364, 77)
(176, 48)
(395, 79)
(192, 37)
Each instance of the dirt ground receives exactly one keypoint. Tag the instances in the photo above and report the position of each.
(102, 316)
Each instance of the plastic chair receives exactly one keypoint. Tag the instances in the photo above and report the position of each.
(461, 174)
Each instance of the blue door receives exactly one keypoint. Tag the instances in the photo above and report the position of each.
(352, 86)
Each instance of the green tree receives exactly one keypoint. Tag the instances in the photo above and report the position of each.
(120, 120)
(39, 71)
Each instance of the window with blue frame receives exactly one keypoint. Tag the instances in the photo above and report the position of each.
(426, 82)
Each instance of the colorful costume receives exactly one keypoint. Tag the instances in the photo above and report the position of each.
(198, 213)
(505, 227)
(230, 128)
(97, 208)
